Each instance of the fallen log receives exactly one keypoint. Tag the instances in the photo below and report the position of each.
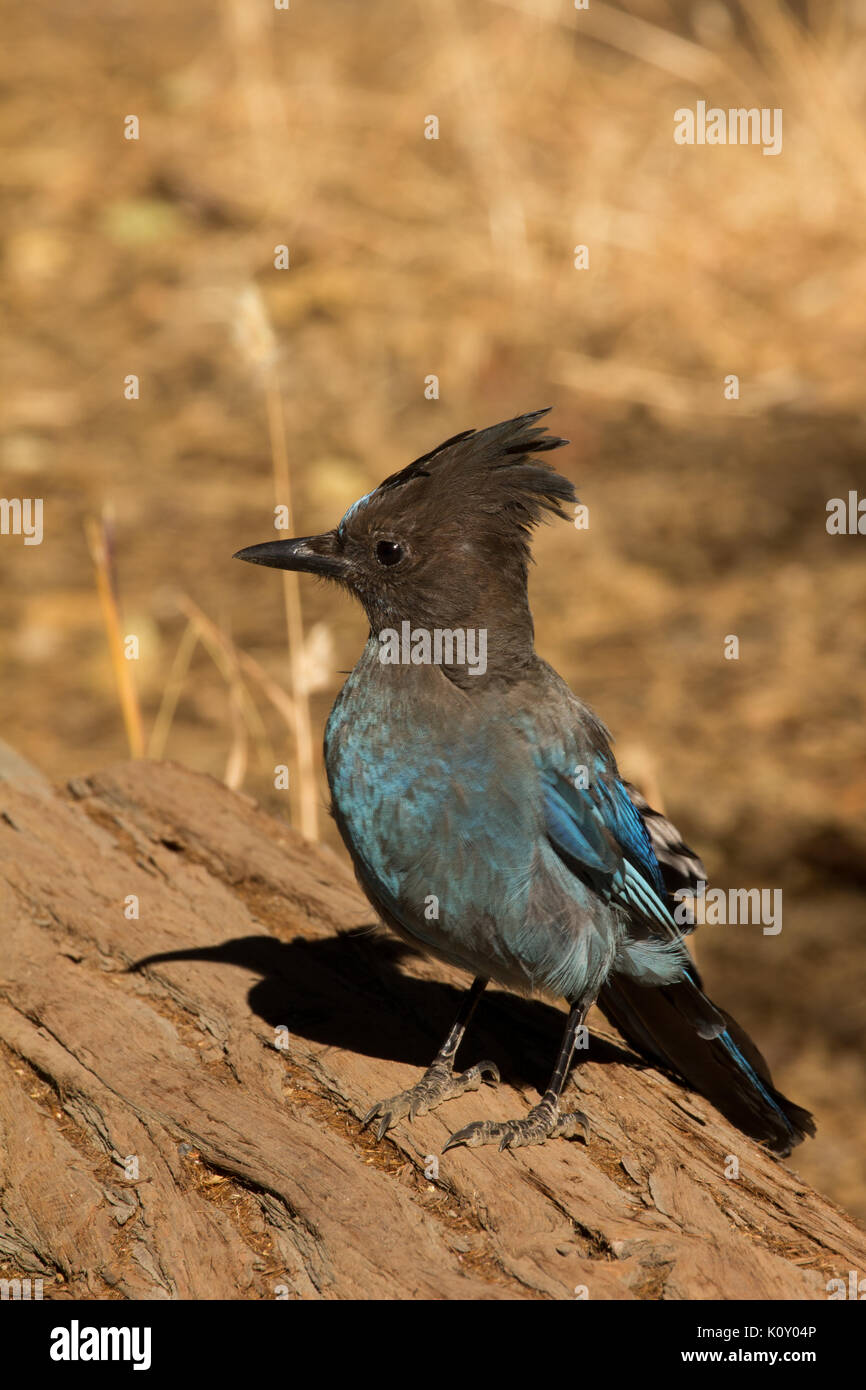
(195, 1014)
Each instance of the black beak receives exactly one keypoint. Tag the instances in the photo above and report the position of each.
(312, 554)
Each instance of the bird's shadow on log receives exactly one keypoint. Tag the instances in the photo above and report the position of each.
(348, 992)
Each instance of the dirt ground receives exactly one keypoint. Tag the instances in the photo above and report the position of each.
(454, 257)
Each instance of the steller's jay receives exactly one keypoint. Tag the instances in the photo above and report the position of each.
(481, 803)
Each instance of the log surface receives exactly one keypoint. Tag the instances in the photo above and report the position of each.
(189, 1127)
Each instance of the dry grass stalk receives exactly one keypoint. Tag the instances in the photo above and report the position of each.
(245, 718)
(307, 800)
(256, 339)
(100, 544)
(171, 694)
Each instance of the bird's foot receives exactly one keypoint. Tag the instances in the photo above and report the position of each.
(543, 1122)
(439, 1083)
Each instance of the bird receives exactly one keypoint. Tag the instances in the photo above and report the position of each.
(481, 803)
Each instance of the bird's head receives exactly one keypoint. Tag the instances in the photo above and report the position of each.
(444, 542)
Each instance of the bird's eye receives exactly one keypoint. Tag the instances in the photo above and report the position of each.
(388, 552)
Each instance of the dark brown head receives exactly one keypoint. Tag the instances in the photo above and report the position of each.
(444, 543)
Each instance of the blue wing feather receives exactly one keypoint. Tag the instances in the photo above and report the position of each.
(599, 832)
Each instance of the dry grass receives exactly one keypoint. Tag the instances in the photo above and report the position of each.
(100, 543)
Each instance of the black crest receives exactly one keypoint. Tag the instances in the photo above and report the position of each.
(491, 471)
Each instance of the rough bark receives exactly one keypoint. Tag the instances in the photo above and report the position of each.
(252, 1177)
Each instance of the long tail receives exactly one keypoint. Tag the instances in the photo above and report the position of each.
(678, 1028)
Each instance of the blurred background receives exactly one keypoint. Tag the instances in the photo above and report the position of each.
(411, 257)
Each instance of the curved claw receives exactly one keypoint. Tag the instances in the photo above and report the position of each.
(570, 1124)
(494, 1078)
(384, 1125)
(470, 1135)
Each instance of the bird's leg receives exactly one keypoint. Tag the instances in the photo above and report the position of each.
(544, 1120)
(439, 1081)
